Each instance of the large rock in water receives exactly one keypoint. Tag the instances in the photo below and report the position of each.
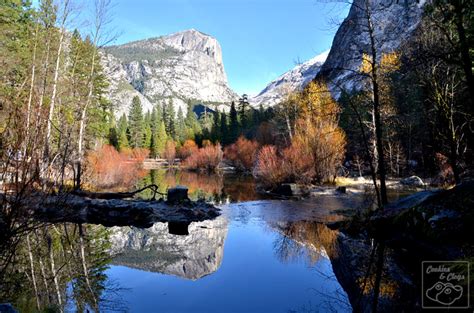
(182, 66)
(413, 181)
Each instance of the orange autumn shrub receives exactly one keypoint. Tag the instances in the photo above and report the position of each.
(321, 144)
(317, 144)
(189, 147)
(205, 159)
(298, 164)
(268, 169)
(242, 154)
(108, 168)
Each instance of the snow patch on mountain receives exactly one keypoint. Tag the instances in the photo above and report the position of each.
(292, 80)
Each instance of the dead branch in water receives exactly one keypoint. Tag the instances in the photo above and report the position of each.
(116, 195)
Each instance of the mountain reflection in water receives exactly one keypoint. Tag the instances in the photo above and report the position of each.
(250, 259)
(259, 256)
(154, 249)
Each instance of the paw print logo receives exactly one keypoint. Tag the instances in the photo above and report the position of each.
(444, 293)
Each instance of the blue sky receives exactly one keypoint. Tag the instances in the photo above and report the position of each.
(260, 39)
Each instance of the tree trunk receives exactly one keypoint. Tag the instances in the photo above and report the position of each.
(33, 275)
(376, 108)
(84, 265)
(55, 278)
(464, 47)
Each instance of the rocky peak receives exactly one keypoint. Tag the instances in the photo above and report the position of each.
(193, 40)
(179, 67)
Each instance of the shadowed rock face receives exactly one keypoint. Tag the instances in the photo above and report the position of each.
(181, 66)
(394, 22)
(154, 249)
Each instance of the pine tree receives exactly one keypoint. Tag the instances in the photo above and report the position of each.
(165, 116)
(160, 139)
(171, 120)
(216, 127)
(224, 129)
(136, 124)
(243, 106)
(113, 136)
(122, 132)
(234, 124)
(180, 126)
(147, 130)
(193, 128)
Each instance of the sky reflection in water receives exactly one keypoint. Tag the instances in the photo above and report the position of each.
(261, 270)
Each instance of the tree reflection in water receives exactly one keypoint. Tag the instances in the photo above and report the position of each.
(61, 267)
(304, 240)
(215, 187)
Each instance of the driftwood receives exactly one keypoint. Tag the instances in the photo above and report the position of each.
(116, 195)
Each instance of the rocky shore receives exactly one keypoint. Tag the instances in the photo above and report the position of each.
(428, 225)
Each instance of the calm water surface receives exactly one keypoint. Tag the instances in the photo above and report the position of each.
(259, 256)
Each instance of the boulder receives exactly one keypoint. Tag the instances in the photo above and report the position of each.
(290, 190)
(412, 181)
(341, 189)
(177, 194)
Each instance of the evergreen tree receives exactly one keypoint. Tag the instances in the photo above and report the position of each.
(147, 130)
(113, 136)
(160, 139)
(122, 132)
(165, 116)
(224, 129)
(171, 120)
(234, 124)
(193, 128)
(216, 127)
(243, 107)
(180, 127)
(136, 123)
(206, 122)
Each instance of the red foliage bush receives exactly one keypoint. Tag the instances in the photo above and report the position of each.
(268, 169)
(108, 168)
(189, 147)
(205, 159)
(242, 154)
(298, 163)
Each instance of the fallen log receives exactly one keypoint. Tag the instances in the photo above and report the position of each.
(116, 195)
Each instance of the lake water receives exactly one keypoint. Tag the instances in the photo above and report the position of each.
(260, 255)
(239, 262)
